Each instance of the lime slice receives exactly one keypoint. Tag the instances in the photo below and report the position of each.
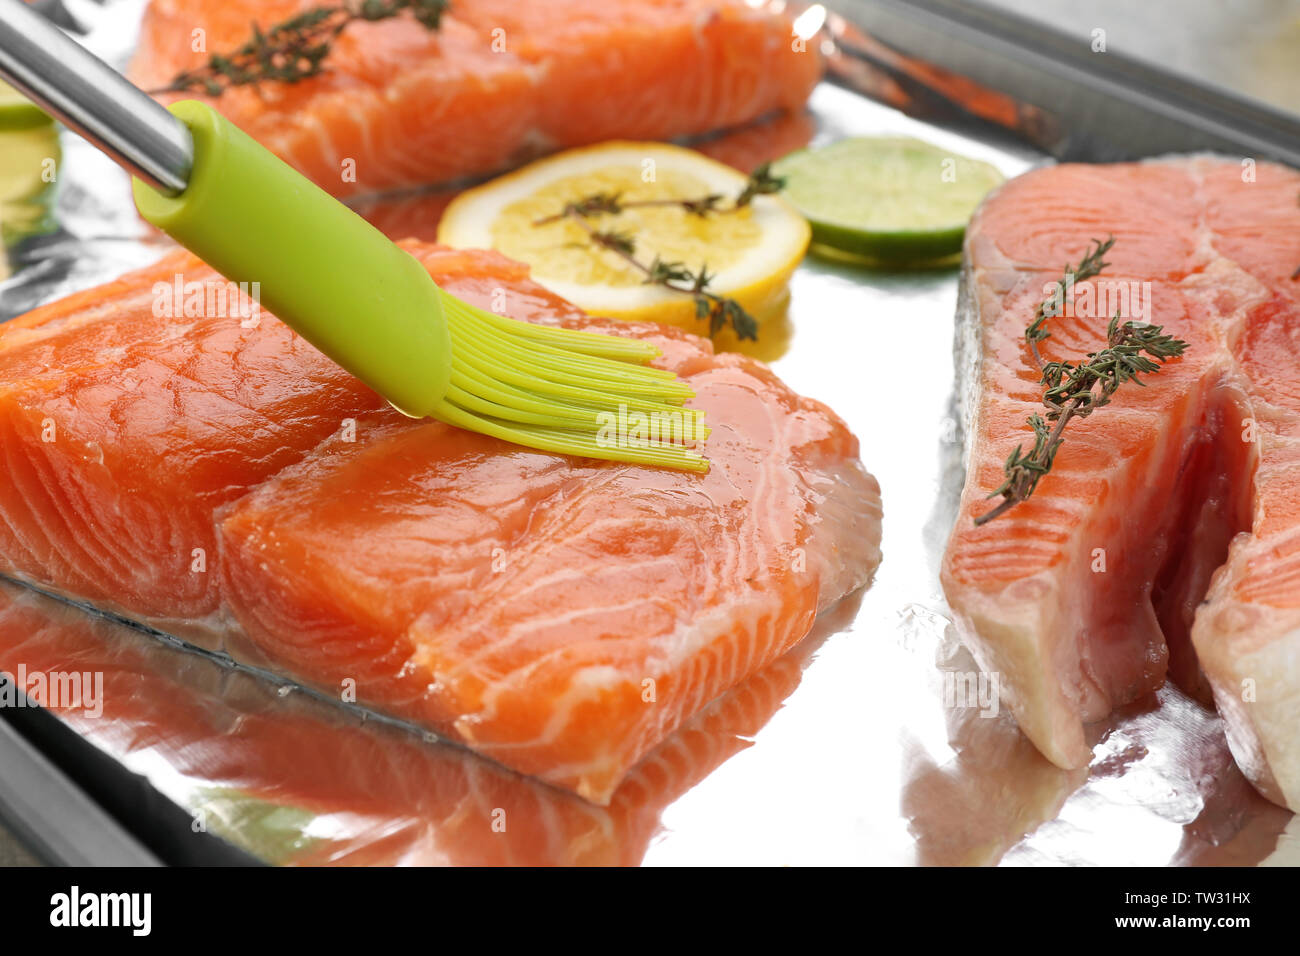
(29, 160)
(18, 112)
(886, 199)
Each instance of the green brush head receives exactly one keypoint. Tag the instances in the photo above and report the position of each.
(567, 391)
(371, 307)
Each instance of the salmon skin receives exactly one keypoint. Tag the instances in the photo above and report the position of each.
(1165, 540)
(498, 83)
(212, 475)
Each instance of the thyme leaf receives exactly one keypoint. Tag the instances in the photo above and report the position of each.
(1076, 390)
(296, 48)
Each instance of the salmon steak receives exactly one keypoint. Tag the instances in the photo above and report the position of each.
(208, 473)
(498, 82)
(1164, 542)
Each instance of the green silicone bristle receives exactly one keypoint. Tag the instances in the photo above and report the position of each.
(567, 391)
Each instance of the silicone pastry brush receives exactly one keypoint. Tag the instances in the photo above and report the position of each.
(342, 285)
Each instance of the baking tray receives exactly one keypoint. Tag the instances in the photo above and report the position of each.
(71, 803)
(848, 750)
(1077, 96)
(52, 816)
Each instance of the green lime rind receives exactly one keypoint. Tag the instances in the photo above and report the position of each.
(833, 256)
(17, 112)
(886, 199)
(889, 246)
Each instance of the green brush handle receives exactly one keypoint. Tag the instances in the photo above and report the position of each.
(323, 270)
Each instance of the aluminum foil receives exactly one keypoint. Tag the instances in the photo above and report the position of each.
(870, 743)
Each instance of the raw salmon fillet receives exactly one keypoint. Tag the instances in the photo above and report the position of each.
(501, 81)
(226, 483)
(1164, 541)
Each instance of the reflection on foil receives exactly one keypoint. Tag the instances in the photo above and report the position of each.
(1161, 776)
(855, 748)
(919, 88)
(296, 780)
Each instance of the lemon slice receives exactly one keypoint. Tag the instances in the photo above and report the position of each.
(750, 252)
(18, 112)
(892, 199)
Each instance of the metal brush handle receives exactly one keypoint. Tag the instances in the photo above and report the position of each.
(91, 98)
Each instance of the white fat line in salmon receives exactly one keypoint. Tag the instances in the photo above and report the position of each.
(210, 299)
(60, 690)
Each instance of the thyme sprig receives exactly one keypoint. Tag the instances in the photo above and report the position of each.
(761, 182)
(1090, 265)
(719, 310)
(1077, 390)
(296, 48)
